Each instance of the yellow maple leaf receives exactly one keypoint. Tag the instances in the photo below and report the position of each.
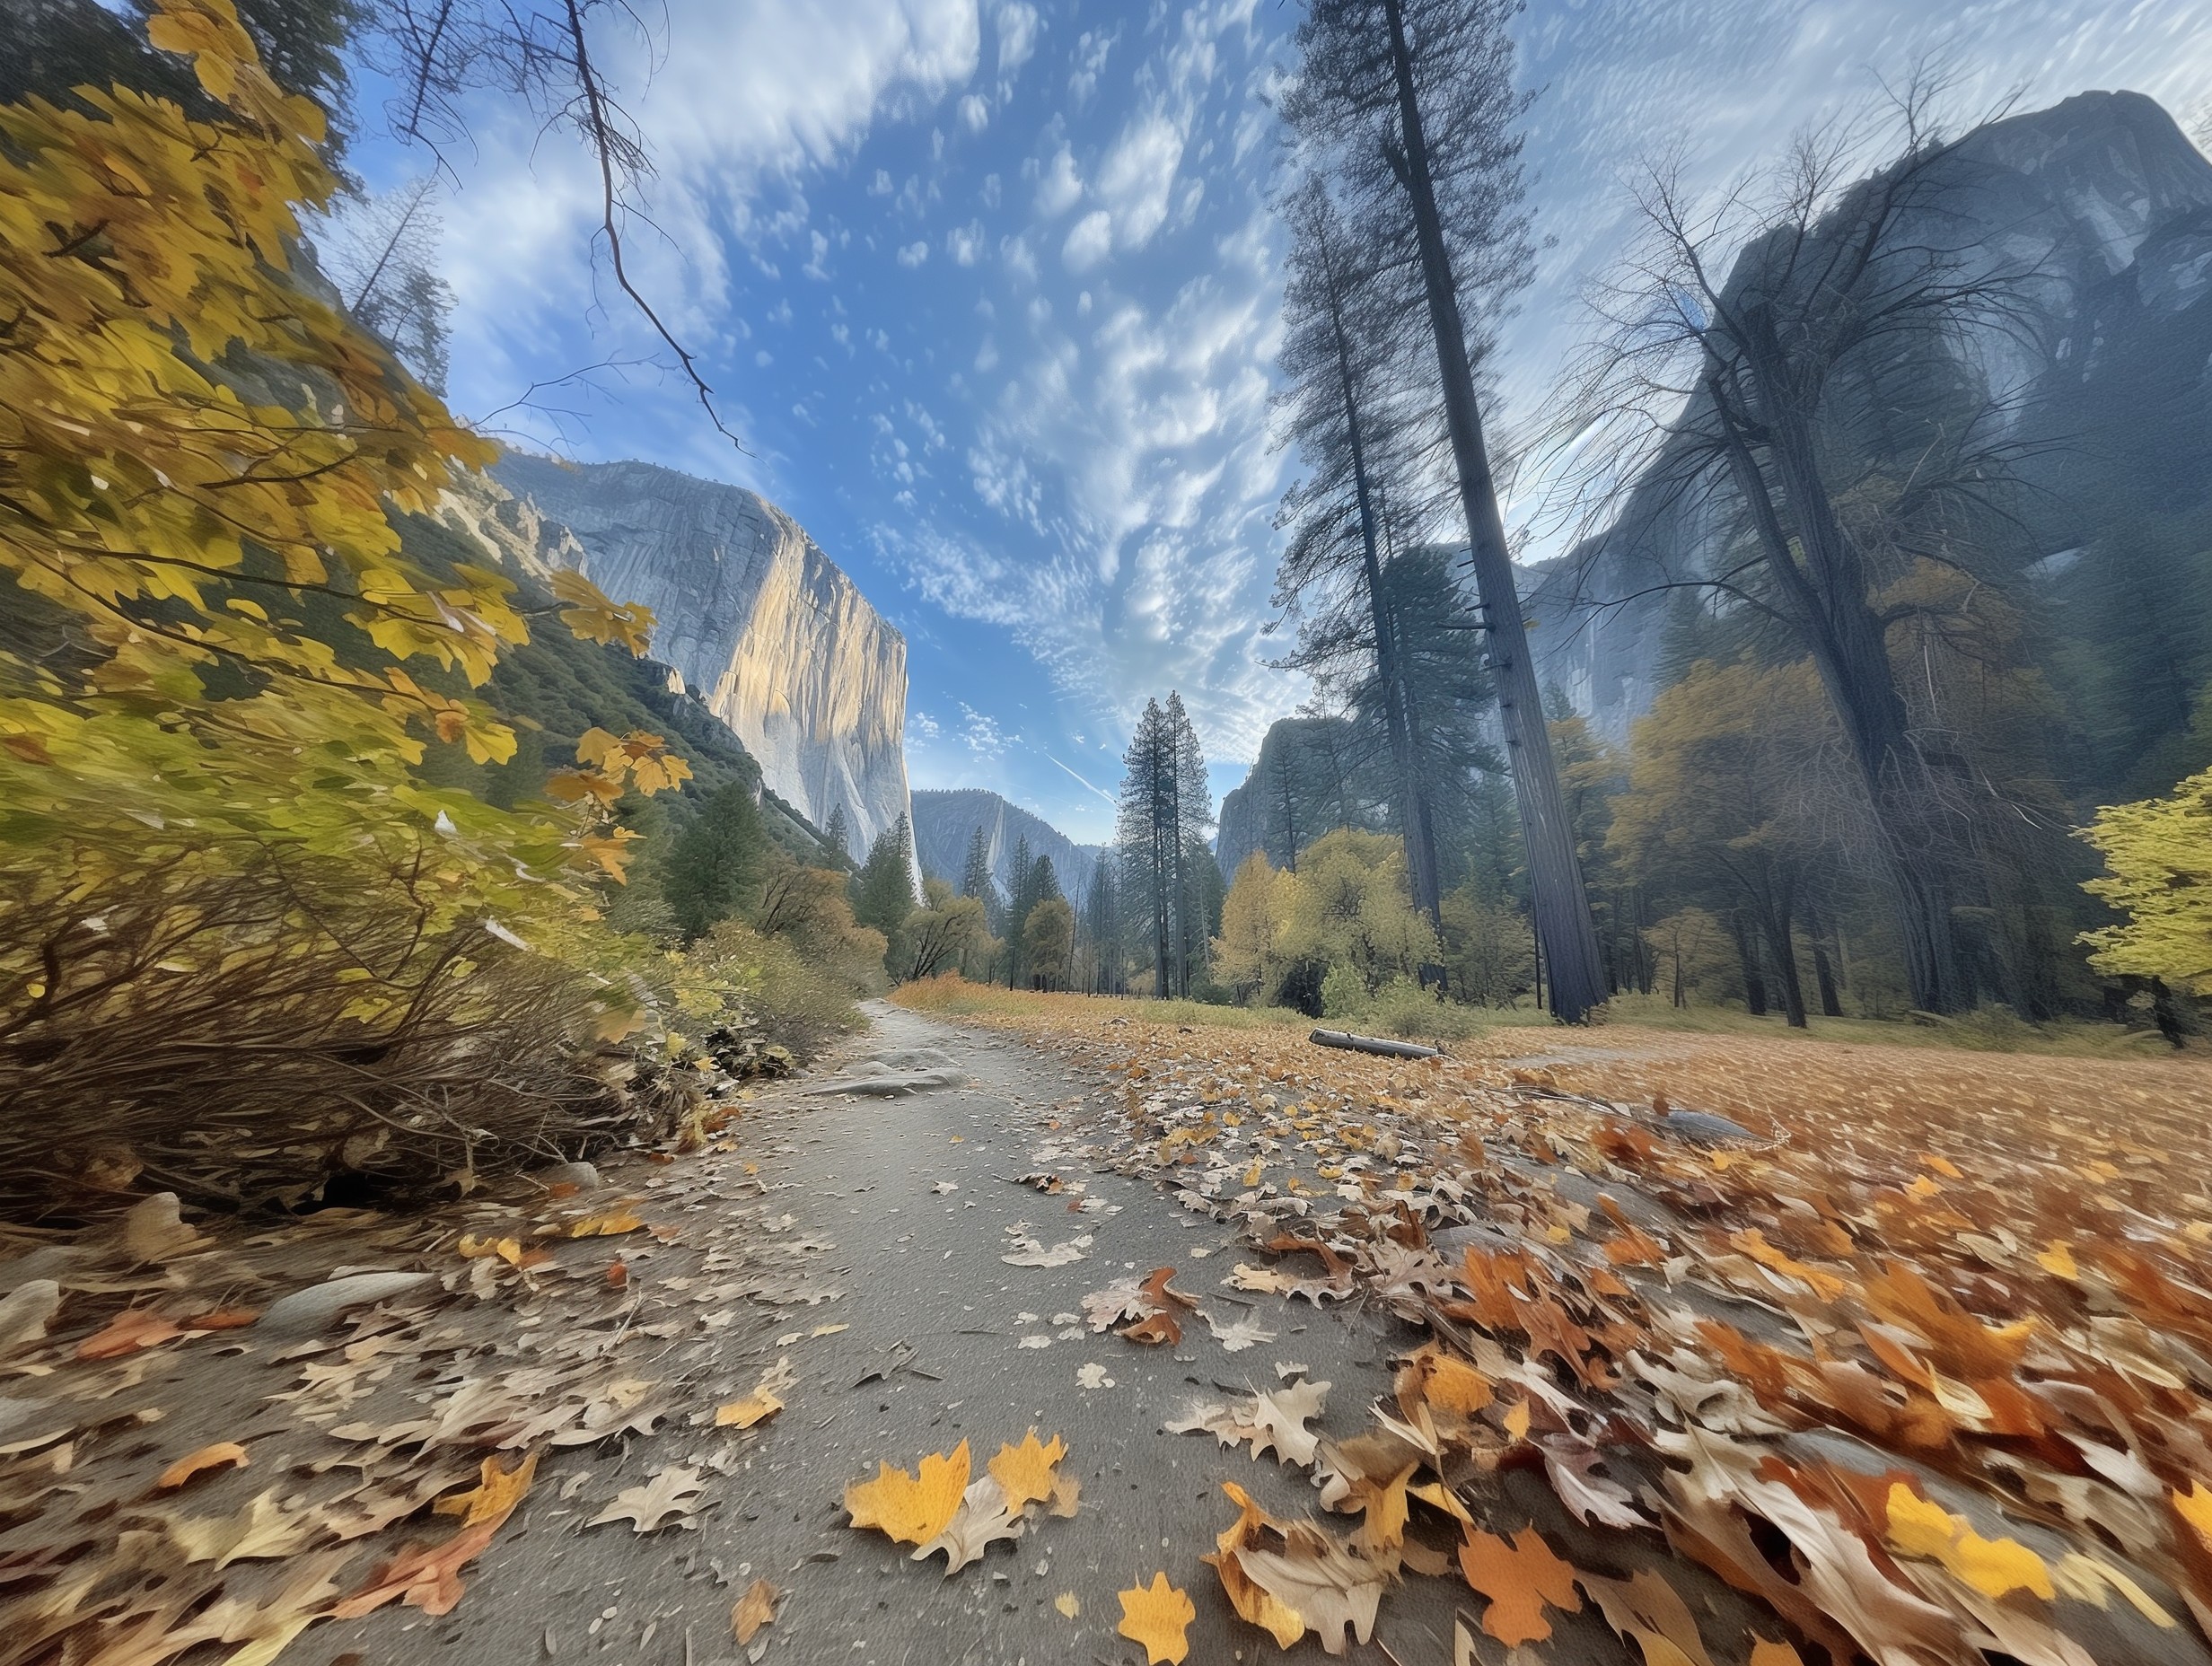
(908, 1509)
(2195, 1507)
(1024, 1472)
(494, 1495)
(2058, 1260)
(755, 1407)
(1993, 1566)
(607, 1224)
(1158, 1616)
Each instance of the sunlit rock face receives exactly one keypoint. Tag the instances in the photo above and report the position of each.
(762, 624)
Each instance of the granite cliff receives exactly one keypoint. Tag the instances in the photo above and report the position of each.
(760, 625)
(2104, 354)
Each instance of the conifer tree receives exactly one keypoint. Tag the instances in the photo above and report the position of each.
(836, 834)
(1411, 108)
(883, 890)
(715, 861)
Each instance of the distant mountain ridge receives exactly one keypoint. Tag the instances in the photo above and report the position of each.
(944, 821)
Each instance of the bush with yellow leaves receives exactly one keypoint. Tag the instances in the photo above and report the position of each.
(243, 944)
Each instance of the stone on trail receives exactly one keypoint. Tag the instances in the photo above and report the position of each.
(1702, 1128)
(908, 1070)
(583, 1176)
(28, 1309)
(311, 1309)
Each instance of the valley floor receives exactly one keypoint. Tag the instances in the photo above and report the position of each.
(1917, 1369)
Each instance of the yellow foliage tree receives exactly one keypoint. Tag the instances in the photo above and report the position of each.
(2158, 861)
(221, 666)
(1352, 908)
(1255, 915)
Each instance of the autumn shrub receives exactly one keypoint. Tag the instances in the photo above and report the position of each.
(1402, 1008)
(244, 1027)
(754, 996)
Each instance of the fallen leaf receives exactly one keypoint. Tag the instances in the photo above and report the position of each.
(983, 1517)
(744, 1414)
(1070, 1606)
(128, 1331)
(908, 1509)
(1158, 1616)
(1993, 1566)
(494, 1495)
(1025, 1473)
(215, 1457)
(673, 1491)
(607, 1224)
(1521, 1579)
(1766, 1653)
(754, 1610)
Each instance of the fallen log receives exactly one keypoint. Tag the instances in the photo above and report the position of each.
(1374, 1044)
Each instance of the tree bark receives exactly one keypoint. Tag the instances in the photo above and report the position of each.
(1413, 806)
(1558, 899)
(1827, 598)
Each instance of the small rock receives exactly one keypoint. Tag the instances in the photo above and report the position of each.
(310, 1310)
(583, 1176)
(1702, 1128)
(27, 1311)
(154, 1229)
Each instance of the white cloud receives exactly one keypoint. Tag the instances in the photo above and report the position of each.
(1137, 175)
(750, 98)
(1091, 47)
(964, 243)
(920, 722)
(914, 253)
(974, 113)
(983, 735)
(1061, 188)
(1017, 36)
(1090, 242)
(815, 268)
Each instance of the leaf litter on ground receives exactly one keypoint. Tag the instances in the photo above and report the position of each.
(1887, 1351)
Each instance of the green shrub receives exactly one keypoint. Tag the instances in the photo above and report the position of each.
(1344, 992)
(1402, 1008)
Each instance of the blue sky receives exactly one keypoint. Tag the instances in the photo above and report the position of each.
(988, 288)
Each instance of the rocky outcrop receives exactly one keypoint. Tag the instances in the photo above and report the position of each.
(761, 625)
(2104, 353)
(944, 823)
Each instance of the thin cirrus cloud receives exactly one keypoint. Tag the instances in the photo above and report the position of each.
(1049, 234)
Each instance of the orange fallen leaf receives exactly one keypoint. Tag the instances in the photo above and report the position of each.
(1025, 1472)
(755, 1407)
(215, 1457)
(618, 1274)
(429, 1578)
(128, 1331)
(908, 1509)
(1158, 1616)
(754, 1610)
(1521, 1579)
(494, 1496)
(1766, 1653)
(223, 1319)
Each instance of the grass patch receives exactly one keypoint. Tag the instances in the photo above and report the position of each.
(951, 995)
(1986, 1030)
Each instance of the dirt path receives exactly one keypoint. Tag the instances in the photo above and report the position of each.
(940, 1340)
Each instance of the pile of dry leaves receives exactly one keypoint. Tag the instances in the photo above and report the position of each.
(199, 1448)
(1913, 1366)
